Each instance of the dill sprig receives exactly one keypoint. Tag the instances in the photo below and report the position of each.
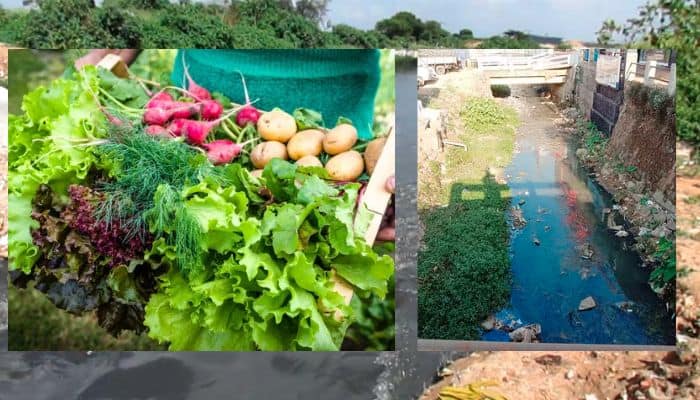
(149, 174)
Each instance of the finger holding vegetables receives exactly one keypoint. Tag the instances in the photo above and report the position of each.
(340, 139)
(277, 125)
(347, 166)
(305, 143)
(266, 151)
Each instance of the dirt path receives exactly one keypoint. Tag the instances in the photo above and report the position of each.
(688, 250)
(607, 375)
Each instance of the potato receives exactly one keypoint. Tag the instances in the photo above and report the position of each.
(346, 166)
(257, 173)
(309, 161)
(340, 139)
(305, 143)
(372, 153)
(266, 151)
(277, 125)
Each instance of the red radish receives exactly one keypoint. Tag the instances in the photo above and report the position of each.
(158, 131)
(222, 151)
(164, 104)
(196, 132)
(160, 96)
(176, 126)
(183, 109)
(247, 115)
(211, 109)
(163, 111)
(197, 92)
(157, 116)
(111, 118)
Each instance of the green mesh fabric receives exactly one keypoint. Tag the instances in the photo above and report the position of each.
(332, 81)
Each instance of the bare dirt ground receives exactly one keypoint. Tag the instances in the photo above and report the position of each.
(606, 375)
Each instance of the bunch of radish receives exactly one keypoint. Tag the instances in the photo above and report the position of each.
(195, 117)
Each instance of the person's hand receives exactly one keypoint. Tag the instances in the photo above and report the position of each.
(387, 231)
(95, 55)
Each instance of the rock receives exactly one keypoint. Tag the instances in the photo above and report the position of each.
(536, 241)
(621, 234)
(643, 211)
(591, 396)
(581, 153)
(627, 306)
(670, 207)
(548, 359)
(606, 210)
(660, 232)
(586, 251)
(570, 374)
(612, 225)
(526, 334)
(518, 220)
(586, 304)
(658, 197)
(489, 324)
(643, 231)
(570, 113)
(671, 224)
(660, 217)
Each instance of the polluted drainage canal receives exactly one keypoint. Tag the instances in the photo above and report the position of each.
(572, 277)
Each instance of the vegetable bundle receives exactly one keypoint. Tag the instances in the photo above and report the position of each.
(141, 206)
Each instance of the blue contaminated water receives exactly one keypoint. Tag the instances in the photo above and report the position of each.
(563, 207)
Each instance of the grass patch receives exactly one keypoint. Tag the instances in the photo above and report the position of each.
(692, 200)
(463, 267)
(36, 324)
(486, 115)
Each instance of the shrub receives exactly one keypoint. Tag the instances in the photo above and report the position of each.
(665, 273)
(500, 90)
(505, 42)
(357, 37)
(78, 24)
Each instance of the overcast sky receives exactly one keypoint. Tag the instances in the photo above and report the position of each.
(570, 19)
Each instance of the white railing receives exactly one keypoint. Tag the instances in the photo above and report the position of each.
(520, 62)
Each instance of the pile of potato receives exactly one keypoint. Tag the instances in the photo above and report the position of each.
(282, 140)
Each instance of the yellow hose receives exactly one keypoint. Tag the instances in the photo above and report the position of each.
(473, 391)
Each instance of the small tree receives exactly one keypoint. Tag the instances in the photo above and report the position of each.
(401, 25)
(674, 24)
(465, 34)
(607, 31)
